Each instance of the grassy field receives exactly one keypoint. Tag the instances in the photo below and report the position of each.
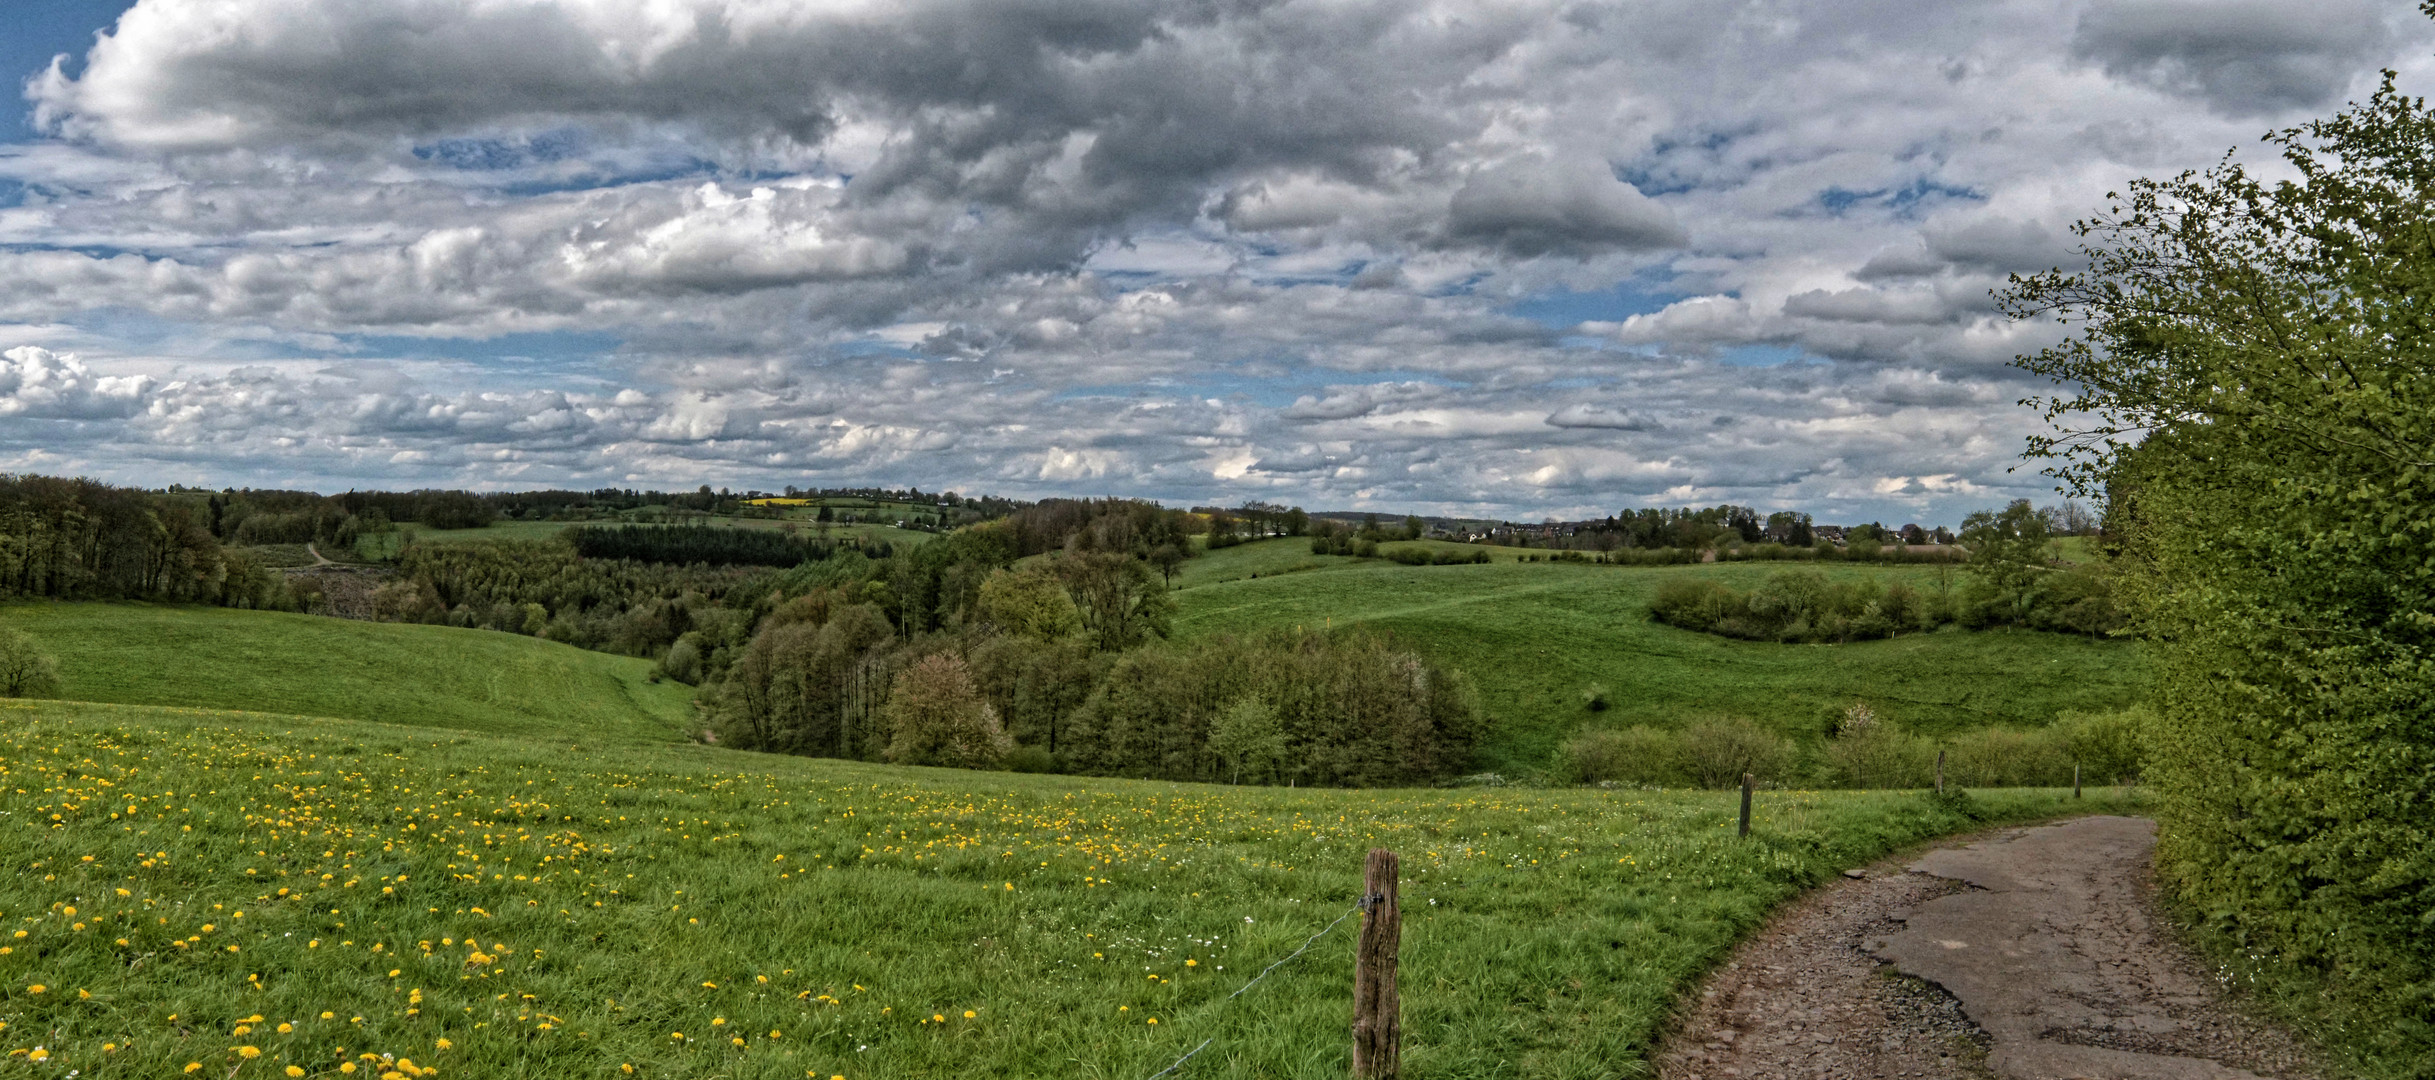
(431, 676)
(1535, 636)
(240, 895)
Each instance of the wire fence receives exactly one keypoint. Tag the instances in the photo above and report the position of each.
(1358, 907)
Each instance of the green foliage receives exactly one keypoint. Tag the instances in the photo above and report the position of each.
(1355, 709)
(1869, 752)
(1248, 738)
(1122, 601)
(1560, 927)
(709, 545)
(936, 716)
(1030, 602)
(1802, 606)
(2248, 381)
(26, 670)
(1717, 752)
(2016, 579)
(1636, 756)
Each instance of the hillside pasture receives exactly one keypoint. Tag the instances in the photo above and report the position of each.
(1535, 637)
(249, 895)
(427, 676)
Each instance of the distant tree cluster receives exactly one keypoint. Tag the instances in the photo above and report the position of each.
(80, 539)
(706, 544)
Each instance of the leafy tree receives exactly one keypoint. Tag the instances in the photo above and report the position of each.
(1030, 602)
(1123, 602)
(1249, 739)
(2249, 380)
(937, 717)
(25, 669)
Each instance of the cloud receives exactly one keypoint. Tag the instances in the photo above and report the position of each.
(36, 383)
(1534, 207)
(2242, 57)
(1490, 259)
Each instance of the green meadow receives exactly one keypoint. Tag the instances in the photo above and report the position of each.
(1536, 637)
(426, 676)
(248, 895)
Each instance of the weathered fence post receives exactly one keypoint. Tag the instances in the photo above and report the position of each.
(1940, 772)
(2075, 779)
(1746, 780)
(1377, 1012)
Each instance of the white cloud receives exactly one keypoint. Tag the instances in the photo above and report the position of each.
(1194, 252)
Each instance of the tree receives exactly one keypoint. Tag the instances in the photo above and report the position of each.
(1122, 600)
(1030, 603)
(936, 716)
(1248, 737)
(2247, 377)
(25, 669)
(2008, 553)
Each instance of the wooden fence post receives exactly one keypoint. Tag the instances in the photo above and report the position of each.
(1377, 1012)
(2075, 779)
(1746, 779)
(1940, 772)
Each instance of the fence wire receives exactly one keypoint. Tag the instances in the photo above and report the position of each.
(1356, 909)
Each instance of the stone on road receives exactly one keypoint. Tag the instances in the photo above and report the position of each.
(2031, 954)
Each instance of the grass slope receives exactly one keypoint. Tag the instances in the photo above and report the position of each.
(259, 896)
(1534, 636)
(430, 676)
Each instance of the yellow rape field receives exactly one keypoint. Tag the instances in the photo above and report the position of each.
(242, 895)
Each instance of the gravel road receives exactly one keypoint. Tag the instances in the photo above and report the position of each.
(2030, 954)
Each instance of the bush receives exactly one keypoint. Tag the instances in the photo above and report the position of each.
(1633, 755)
(1871, 752)
(936, 716)
(2007, 757)
(2110, 748)
(1031, 759)
(25, 669)
(1717, 752)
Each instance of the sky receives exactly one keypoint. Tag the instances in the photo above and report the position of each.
(1535, 258)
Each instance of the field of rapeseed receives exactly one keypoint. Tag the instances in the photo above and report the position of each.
(238, 895)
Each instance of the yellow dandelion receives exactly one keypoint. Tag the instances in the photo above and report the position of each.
(194, 1066)
(329, 1016)
(739, 1041)
(445, 1044)
(285, 1028)
(36, 988)
(347, 1067)
(249, 1052)
(294, 1071)
(969, 1014)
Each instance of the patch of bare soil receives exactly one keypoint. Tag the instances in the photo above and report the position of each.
(2030, 954)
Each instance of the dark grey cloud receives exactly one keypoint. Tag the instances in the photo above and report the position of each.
(2242, 57)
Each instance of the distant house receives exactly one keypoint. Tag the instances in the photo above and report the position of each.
(1832, 534)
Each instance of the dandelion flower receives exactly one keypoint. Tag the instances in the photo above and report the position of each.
(36, 988)
(445, 1044)
(294, 1071)
(739, 1041)
(969, 1014)
(249, 1052)
(347, 1067)
(194, 1066)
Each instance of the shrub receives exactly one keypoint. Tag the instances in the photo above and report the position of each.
(25, 669)
(1633, 755)
(2008, 757)
(1029, 602)
(1031, 759)
(936, 716)
(1717, 752)
(1870, 752)
(2110, 748)
(683, 661)
(1249, 739)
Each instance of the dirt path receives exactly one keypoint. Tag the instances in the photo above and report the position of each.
(319, 560)
(2032, 954)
